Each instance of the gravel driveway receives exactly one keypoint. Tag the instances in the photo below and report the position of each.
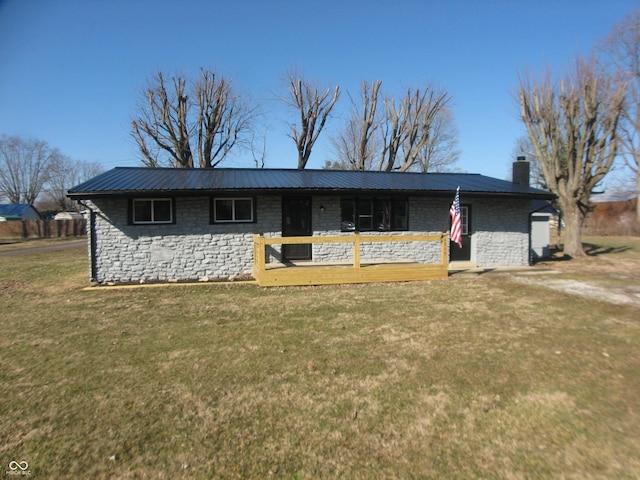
(616, 293)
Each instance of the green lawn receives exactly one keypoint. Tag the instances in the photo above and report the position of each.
(469, 377)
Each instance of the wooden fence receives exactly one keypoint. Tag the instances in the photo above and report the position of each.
(16, 229)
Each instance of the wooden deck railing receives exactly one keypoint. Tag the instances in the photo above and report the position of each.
(357, 272)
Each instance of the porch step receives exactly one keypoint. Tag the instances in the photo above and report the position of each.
(462, 265)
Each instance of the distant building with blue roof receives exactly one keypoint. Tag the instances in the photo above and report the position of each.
(18, 211)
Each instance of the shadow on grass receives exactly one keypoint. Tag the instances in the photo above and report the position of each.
(555, 255)
(594, 250)
(590, 249)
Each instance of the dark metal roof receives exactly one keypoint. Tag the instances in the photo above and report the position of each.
(134, 181)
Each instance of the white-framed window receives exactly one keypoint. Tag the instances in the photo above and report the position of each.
(151, 210)
(233, 210)
(464, 220)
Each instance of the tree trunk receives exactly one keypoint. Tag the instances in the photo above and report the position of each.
(638, 196)
(573, 221)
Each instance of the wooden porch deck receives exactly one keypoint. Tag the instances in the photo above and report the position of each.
(373, 271)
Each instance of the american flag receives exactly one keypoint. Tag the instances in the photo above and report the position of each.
(456, 220)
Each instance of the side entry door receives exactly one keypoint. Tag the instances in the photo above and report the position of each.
(455, 252)
(296, 222)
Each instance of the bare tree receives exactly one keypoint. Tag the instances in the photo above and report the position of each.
(259, 154)
(345, 148)
(356, 145)
(314, 109)
(24, 167)
(407, 127)
(176, 118)
(622, 51)
(416, 133)
(573, 129)
(64, 173)
(440, 151)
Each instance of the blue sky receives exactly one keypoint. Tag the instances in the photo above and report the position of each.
(71, 71)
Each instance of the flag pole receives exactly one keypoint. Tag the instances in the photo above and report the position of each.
(446, 222)
(454, 213)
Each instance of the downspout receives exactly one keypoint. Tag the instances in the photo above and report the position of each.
(91, 232)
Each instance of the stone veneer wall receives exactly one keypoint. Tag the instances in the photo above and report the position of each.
(193, 249)
(190, 249)
(500, 232)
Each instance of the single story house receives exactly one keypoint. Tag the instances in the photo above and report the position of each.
(18, 211)
(166, 224)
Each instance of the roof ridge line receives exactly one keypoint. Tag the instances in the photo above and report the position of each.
(284, 169)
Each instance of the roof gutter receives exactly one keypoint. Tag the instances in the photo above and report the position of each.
(300, 191)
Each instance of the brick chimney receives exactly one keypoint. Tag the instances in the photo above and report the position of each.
(521, 171)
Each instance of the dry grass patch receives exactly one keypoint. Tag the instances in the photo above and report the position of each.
(471, 377)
